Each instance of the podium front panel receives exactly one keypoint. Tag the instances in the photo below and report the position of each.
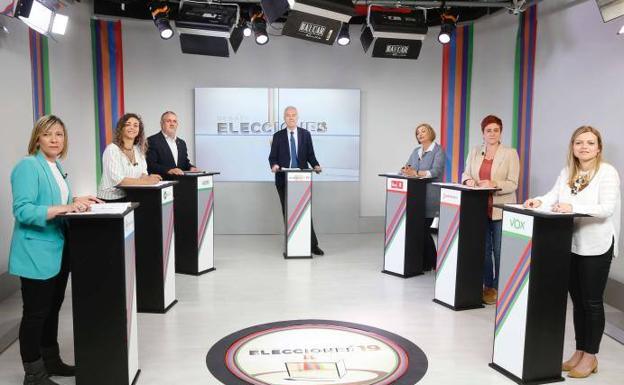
(394, 241)
(512, 304)
(131, 297)
(205, 230)
(168, 245)
(448, 240)
(298, 214)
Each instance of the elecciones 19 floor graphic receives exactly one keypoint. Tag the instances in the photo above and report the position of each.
(303, 352)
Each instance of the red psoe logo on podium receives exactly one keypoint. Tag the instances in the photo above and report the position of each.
(398, 185)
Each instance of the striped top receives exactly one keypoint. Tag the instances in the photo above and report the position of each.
(115, 167)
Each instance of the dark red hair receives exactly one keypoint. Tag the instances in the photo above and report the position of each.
(489, 120)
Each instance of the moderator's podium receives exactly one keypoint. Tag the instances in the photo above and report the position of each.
(298, 213)
(461, 245)
(405, 219)
(101, 248)
(532, 294)
(194, 225)
(155, 246)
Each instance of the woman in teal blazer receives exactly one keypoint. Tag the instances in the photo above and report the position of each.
(40, 194)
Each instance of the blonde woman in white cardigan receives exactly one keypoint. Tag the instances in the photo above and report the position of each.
(587, 185)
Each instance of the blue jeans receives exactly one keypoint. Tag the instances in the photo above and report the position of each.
(491, 267)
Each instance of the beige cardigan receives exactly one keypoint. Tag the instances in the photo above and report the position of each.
(505, 173)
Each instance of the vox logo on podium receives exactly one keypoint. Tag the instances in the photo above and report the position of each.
(516, 223)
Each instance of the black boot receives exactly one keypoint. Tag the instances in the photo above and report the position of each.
(54, 365)
(36, 374)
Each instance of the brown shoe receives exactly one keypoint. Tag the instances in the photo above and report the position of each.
(578, 374)
(489, 296)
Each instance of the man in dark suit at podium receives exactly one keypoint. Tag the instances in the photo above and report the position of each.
(166, 153)
(286, 142)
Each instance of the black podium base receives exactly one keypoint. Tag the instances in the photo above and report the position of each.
(401, 275)
(136, 377)
(518, 380)
(158, 311)
(301, 257)
(198, 273)
(458, 308)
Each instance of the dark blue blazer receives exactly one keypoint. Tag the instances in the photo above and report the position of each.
(280, 152)
(159, 157)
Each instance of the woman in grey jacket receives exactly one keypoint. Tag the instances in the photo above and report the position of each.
(427, 160)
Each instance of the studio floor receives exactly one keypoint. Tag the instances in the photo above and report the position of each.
(253, 284)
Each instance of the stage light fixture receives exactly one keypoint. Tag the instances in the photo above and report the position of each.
(247, 30)
(259, 26)
(447, 28)
(41, 16)
(59, 24)
(208, 28)
(318, 21)
(394, 35)
(621, 31)
(343, 37)
(160, 14)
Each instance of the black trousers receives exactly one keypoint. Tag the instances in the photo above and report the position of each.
(430, 255)
(588, 279)
(281, 191)
(42, 300)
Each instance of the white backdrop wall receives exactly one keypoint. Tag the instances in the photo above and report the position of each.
(16, 108)
(396, 95)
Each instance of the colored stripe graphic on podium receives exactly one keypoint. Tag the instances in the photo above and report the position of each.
(40, 73)
(108, 83)
(300, 209)
(456, 85)
(167, 235)
(205, 218)
(450, 238)
(513, 287)
(526, 43)
(130, 277)
(397, 219)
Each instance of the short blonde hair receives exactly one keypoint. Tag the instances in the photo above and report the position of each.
(44, 124)
(429, 129)
(574, 166)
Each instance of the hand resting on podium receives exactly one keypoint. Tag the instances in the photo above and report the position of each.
(558, 207)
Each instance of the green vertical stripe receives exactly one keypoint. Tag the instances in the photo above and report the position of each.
(468, 90)
(98, 157)
(516, 95)
(45, 60)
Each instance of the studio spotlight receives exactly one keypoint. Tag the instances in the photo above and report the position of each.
(258, 24)
(447, 28)
(343, 35)
(621, 31)
(160, 14)
(247, 30)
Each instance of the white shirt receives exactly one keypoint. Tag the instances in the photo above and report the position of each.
(600, 199)
(60, 181)
(421, 152)
(295, 132)
(172, 146)
(115, 167)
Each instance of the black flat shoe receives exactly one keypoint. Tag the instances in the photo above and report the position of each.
(317, 251)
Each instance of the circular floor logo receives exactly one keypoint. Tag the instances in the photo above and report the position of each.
(316, 352)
